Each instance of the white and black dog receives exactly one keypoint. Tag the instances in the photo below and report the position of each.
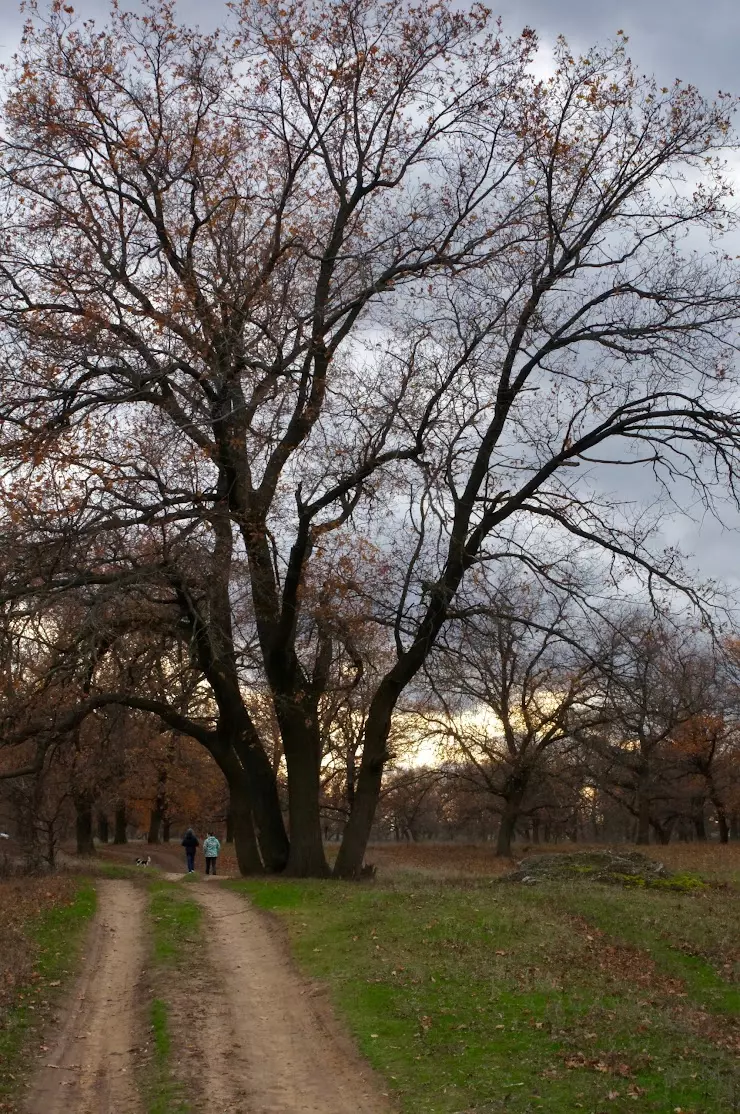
(144, 862)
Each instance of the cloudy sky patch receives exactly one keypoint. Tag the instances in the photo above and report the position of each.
(697, 43)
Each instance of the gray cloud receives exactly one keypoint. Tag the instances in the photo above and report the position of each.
(673, 38)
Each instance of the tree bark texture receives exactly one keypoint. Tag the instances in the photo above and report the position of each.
(84, 825)
(103, 827)
(120, 824)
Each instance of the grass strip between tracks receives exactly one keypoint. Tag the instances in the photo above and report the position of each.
(175, 922)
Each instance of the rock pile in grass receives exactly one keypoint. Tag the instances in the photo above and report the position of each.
(617, 868)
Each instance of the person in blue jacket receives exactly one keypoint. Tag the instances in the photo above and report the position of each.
(190, 843)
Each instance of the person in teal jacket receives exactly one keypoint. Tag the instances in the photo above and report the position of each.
(211, 848)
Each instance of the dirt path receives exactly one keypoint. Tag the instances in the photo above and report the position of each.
(89, 1069)
(273, 1052)
(263, 1042)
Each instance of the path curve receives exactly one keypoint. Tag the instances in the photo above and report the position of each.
(282, 1056)
(90, 1067)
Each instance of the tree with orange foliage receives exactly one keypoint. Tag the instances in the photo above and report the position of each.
(172, 780)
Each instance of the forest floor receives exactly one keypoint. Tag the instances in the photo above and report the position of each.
(431, 990)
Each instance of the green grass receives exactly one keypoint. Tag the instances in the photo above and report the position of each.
(163, 1094)
(693, 938)
(487, 998)
(175, 921)
(55, 937)
(105, 869)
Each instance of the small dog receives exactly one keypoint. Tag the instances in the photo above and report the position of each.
(144, 862)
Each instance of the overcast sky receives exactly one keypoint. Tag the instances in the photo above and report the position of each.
(696, 41)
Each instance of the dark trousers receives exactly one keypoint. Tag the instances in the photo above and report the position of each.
(190, 856)
(210, 864)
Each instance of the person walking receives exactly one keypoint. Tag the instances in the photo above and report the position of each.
(190, 843)
(211, 848)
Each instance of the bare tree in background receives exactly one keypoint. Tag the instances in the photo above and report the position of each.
(517, 679)
(660, 686)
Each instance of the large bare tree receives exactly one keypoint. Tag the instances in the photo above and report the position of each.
(349, 271)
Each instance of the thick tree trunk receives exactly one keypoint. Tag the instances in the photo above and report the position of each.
(663, 830)
(513, 792)
(28, 826)
(351, 854)
(241, 803)
(377, 729)
(166, 828)
(236, 744)
(367, 792)
(719, 808)
(84, 825)
(103, 828)
(229, 827)
(302, 756)
(245, 840)
(155, 823)
(237, 741)
(506, 830)
(352, 849)
(643, 816)
(243, 749)
(120, 823)
(51, 844)
(699, 822)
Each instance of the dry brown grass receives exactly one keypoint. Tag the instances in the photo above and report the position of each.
(443, 860)
(227, 860)
(438, 859)
(711, 860)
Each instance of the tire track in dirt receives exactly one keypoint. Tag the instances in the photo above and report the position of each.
(272, 1050)
(90, 1068)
